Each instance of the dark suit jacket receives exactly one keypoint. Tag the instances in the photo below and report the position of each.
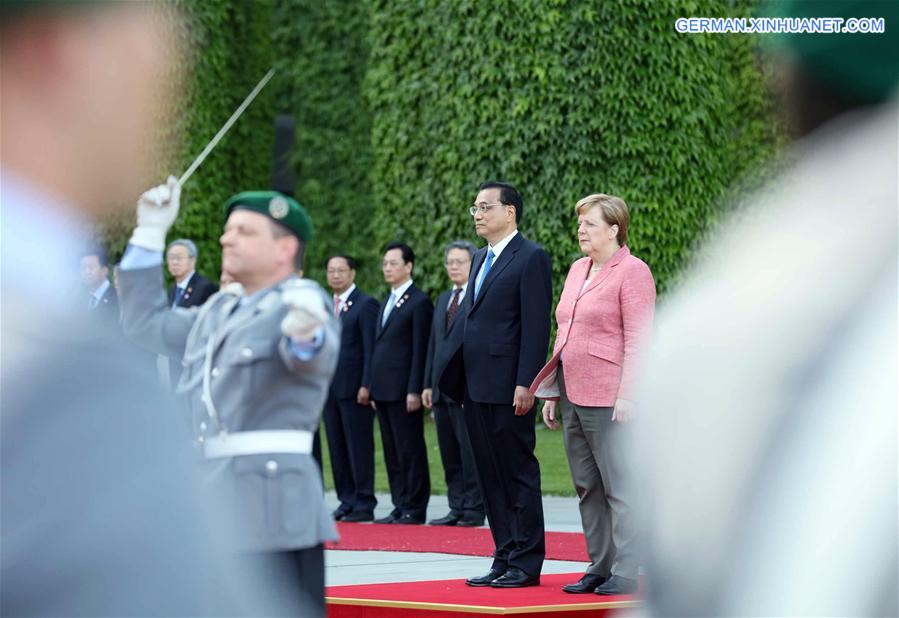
(107, 309)
(199, 288)
(359, 320)
(443, 343)
(398, 362)
(506, 327)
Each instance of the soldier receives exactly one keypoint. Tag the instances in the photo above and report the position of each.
(256, 369)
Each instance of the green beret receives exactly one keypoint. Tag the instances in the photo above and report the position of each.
(280, 208)
(859, 67)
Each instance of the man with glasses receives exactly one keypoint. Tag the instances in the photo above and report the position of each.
(191, 289)
(506, 334)
(349, 419)
(397, 375)
(459, 469)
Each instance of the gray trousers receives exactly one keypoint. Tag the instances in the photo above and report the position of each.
(601, 468)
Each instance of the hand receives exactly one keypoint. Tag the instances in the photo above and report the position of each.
(624, 411)
(363, 397)
(523, 400)
(427, 398)
(157, 210)
(413, 402)
(306, 311)
(549, 414)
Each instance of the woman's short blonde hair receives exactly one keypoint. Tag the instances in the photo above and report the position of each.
(613, 210)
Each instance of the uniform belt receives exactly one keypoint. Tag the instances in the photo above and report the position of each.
(258, 443)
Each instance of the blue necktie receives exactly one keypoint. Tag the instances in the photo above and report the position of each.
(388, 308)
(179, 294)
(487, 264)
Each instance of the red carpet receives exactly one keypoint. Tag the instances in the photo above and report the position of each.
(447, 540)
(451, 597)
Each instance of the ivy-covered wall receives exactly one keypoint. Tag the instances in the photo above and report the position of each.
(322, 55)
(231, 49)
(563, 99)
(403, 108)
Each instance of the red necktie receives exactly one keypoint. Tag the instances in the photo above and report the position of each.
(454, 306)
(337, 306)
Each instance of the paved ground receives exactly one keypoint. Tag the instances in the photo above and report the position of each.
(369, 567)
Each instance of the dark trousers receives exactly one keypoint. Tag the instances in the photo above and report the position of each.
(351, 445)
(509, 474)
(406, 458)
(303, 570)
(459, 468)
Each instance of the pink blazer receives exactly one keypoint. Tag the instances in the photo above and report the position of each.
(599, 331)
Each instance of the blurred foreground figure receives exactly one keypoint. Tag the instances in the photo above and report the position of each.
(770, 437)
(100, 514)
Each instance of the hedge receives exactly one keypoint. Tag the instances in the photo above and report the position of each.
(562, 99)
(403, 108)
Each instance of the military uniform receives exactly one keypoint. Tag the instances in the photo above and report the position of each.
(240, 379)
(254, 398)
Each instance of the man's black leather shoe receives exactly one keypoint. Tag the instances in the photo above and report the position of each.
(588, 583)
(358, 516)
(386, 520)
(485, 580)
(470, 523)
(409, 520)
(448, 520)
(515, 578)
(340, 513)
(617, 585)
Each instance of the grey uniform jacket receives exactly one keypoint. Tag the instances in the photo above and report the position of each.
(236, 355)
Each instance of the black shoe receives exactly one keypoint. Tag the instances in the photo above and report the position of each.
(515, 578)
(386, 520)
(485, 580)
(340, 512)
(358, 516)
(588, 583)
(617, 585)
(470, 523)
(409, 520)
(448, 520)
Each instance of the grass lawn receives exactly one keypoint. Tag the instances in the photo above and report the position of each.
(555, 477)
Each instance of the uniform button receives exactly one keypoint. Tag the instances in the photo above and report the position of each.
(570, 320)
(202, 426)
(201, 439)
(246, 352)
(215, 372)
(271, 466)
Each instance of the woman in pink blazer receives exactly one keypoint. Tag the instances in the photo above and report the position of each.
(606, 306)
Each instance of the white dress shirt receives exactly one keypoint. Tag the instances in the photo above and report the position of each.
(497, 250)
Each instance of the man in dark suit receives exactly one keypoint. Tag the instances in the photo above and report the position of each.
(507, 322)
(349, 419)
(397, 376)
(460, 471)
(102, 300)
(191, 289)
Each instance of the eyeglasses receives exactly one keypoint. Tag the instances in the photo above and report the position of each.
(457, 262)
(177, 258)
(337, 271)
(482, 208)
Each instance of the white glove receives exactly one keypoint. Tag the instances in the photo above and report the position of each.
(306, 311)
(157, 210)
